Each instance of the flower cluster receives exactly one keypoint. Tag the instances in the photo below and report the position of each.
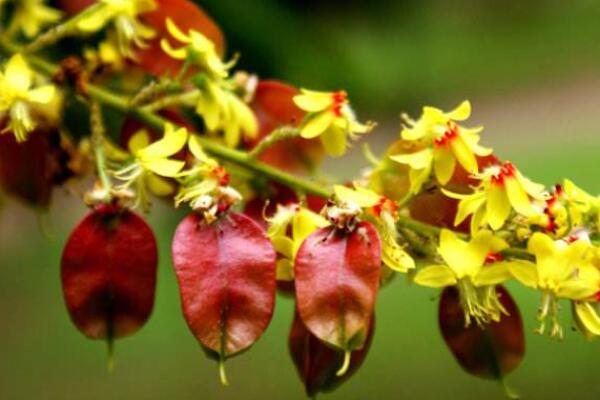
(438, 207)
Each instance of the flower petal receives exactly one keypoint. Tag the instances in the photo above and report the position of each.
(311, 101)
(435, 276)
(518, 197)
(462, 112)
(18, 74)
(334, 141)
(525, 272)
(497, 207)
(588, 317)
(419, 160)
(317, 124)
(444, 164)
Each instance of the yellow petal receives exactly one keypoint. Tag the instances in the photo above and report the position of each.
(493, 274)
(317, 124)
(444, 164)
(159, 186)
(497, 207)
(418, 177)
(525, 272)
(462, 112)
(176, 32)
(304, 223)
(284, 246)
(164, 167)
(43, 94)
(362, 197)
(334, 141)
(138, 141)
(419, 160)
(196, 149)
(18, 74)
(178, 54)
(455, 253)
(173, 141)
(468, 206)
(464, 155)
(518, 197)
(588, 317)
(395, 257)
(311, 101)
(435, 276)
(577, 289)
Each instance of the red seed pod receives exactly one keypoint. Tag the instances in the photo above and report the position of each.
(226, 274)
(31, 169)
(337, 279)
(490, 353)
(186, 16)
(318, 363)
(274, 107)
(108, 273)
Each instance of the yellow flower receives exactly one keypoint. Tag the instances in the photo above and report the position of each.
(107, 54)
(151, 164)
(222, 110)
(17, 96)
(583, 207)
(475, 267)
(198, 50)
(384, 212)
(563, 270)
(299, 222)
(202, 179)
(330, 118)
(124, 15)
(31, 16)
(444, 144)
(502, 189)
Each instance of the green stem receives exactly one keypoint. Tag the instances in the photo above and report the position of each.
(58, 32)
(278, 135)
(97, 126)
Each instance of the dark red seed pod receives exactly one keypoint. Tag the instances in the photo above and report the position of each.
(274, 107)
(491, 352)
(337, 279)
(317, 364)
(226, 274)
(31, 169)
(108, 273)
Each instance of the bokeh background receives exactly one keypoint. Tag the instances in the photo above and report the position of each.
(532, 71)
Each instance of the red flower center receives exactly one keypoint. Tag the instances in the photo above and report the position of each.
(492, 258)
(450, 134)
(339, 100)
(507, 171)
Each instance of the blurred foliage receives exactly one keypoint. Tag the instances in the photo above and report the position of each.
(389, 53)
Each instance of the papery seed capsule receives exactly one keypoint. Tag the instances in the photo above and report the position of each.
(108, 272)
(317, 364)
(337, 279)
(491, 352)
(226, 275)
(30, 170)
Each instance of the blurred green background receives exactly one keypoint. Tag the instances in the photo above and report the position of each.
(532, 70)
